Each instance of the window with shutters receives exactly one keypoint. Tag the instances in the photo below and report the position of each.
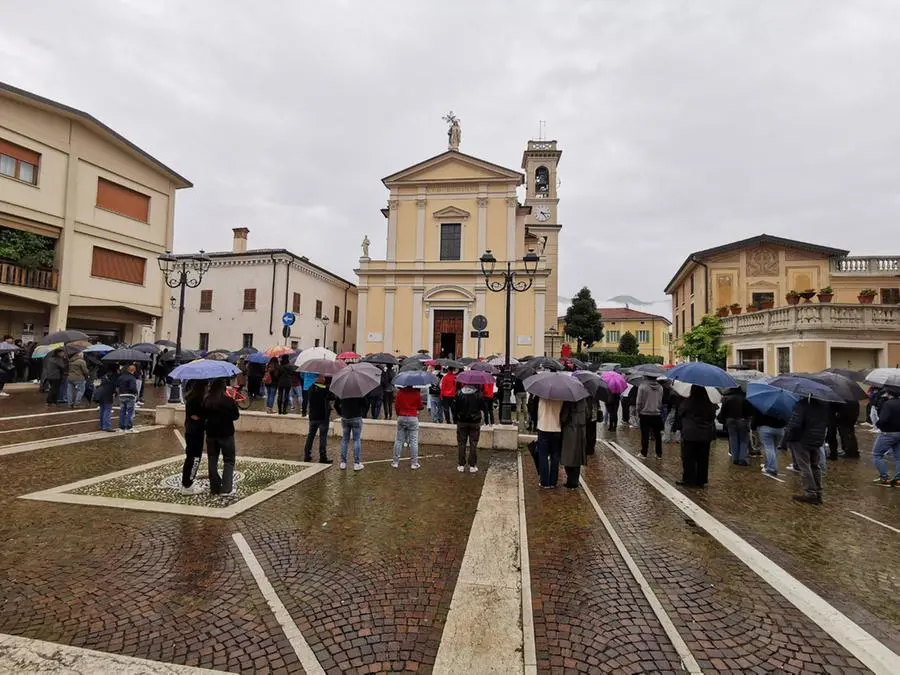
(612, 336)
(451, 240)
(206, 300)
(18, 162)
(107, 264)
(643, 336)
(890, 296)
(337, 314)
(296, 304)
(318, 309)
(349, 317)
(249, 299)
(122, 200)
(204, 342)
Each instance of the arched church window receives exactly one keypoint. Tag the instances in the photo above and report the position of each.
(542, 180)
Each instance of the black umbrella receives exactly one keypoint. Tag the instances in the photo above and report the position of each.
(844, 387)
(545, 363)
(146, 347)
(186, 355)
(75, 348)
(65, 336)
(486, 367)
(246, 351)
(165, 343)
(854, 375)
(449, 363)
(412, 366)
(524, 370)
(522, 359)
(467, 360)
(593, 383)
(125, 355)
(382, 358)
(649, 369)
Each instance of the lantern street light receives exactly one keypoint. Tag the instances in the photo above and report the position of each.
(182, 272)
(324, 320)
(499, 282)
(552, 333)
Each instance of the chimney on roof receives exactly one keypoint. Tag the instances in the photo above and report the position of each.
(240, 239)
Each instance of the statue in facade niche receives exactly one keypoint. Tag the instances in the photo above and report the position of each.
(454, 133)
(365, 246)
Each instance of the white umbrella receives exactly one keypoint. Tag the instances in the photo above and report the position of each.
(683, 389)
(889, 377)
(314, 353)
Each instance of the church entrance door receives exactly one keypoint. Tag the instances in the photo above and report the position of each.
(448, 333)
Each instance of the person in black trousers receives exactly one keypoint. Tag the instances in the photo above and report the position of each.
(387, 388)
(221, 412)
(284, 379)
(695, 418)
(193, 437)
(612, 408)
(319, 398)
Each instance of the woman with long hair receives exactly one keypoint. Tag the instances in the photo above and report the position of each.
(194, 421)
(220, 411)
(270, 379)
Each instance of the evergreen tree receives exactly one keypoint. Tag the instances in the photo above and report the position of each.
(583, 321)
(628, 344)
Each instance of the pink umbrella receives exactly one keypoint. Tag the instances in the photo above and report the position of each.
(614, 381)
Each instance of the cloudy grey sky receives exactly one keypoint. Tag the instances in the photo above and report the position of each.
(683, 124)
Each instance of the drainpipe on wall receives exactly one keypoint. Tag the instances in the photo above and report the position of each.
(344, 335)
(272, 303)
(287, 286)
(705, 283)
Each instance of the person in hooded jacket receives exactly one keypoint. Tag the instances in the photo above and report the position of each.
(695, 419)
(194, 435)
(573, 447)
(54, 373)
(220, 412)
(387, 391)
(735, 416)
(319, 401)
(805, 435)
(77, 375)
(649, 409)
(468, 406)
(283, 380)
(888, 441)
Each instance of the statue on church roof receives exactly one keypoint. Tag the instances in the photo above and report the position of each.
(365, 246)
(454, 133)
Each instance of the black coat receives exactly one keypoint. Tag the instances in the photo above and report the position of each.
(735, 406)
(809, 424)
(889, 416)
(467, 407)
(220, 414)
(695, 418)
(350, 408)
(319, 401)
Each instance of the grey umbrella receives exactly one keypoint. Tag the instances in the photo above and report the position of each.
(165, 343)
(649, 369)
(65, 336)
(146, 347)
(449, 363)
(884, 377)
(412, 365)
(486, 367)
(556, 387)
(7, 347)
(186, 355)
(545, 363)
(595, 384)
(125, 355)
(844, 387)
(356, 380)
(322, 366)
(855, 375)
(382, 358)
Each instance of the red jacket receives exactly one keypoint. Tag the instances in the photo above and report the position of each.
(408, 402)
(488, 390)
(448, 386)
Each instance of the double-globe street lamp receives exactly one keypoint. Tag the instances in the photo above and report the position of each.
(182, 272)
(499, 281)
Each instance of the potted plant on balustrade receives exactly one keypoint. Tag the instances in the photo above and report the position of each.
(752, 307)
(867, 296)
(722, 311)
(826, 294)
(766, 304)
(792, 297)
(735, 308)
(808, 294)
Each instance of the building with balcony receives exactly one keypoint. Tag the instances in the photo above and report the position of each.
(245, 292)
(809, 336)
(652, 332)
(84, 213)
(443, 213)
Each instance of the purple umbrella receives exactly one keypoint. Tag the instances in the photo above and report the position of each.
(474, 377)
(615, 381)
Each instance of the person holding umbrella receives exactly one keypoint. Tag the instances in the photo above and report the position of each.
(408, 403)
(220, 411)
(105, 394)
(573, 439)
(888, 440)
(695, 419)
(319, 408)
(467, 409)
(77, 377)
(649, 410)
(194, 435)
(448, 395)
(127, 388)
(350, 386)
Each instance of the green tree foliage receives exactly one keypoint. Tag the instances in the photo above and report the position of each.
(704, 342)
(628, 344)
(583, 321)
(625, 360)
(26, 249)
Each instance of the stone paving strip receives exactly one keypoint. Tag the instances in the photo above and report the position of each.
(868, 650)
(877, 522)
(483, 631)
(24, 655)
(67, 440)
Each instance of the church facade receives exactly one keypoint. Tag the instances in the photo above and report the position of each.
(443, 213)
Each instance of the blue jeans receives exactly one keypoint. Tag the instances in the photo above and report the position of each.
(407, 432)
(352, 426)
(738, 439)
(271, 390)
(771, 438)
(885, 443)
(64, 391)
(126, 411)
(296, 396)
(548, 448)
(375, 408)
(434, 405)
(76, 392)
(106, 416)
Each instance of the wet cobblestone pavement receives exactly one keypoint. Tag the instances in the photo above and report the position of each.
(366, 563)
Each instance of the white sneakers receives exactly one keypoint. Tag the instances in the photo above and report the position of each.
(358, 466)
(194, 489)
(473, 469)
(396, 465)
(343, 465)
(414, 466)
(461, 468)
(4, 394)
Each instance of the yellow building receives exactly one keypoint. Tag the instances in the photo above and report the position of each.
(808, 336)
(442, 214)
(651, 331)
(103, 210)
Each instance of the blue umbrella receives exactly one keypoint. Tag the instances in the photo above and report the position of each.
(415, 378)
(204, 369)
(98, 349)
(259, 357)
(703, 375)
(771, 400)
(803, 388)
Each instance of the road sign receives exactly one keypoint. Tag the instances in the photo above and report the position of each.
(286, 331)
(480, 334)
(288, 319)
(479, 322)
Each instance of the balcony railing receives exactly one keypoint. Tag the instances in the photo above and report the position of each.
(815, 317)
(866, 266)
(16, 275)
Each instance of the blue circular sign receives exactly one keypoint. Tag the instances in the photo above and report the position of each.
(288, 318)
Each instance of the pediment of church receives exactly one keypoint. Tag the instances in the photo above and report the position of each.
(449, 293)
(454, 167)
(451, 212)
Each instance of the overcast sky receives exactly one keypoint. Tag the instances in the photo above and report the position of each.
(683, 125)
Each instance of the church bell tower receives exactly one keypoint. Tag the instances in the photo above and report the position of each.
(540, 161)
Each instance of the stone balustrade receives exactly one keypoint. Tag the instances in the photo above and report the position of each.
(815, 316)
(866, 265)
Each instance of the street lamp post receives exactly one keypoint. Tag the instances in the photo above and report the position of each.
(506, 281)
(553, 334)
(182, 272)
(324, 320)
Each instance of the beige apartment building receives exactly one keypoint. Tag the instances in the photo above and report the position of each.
(97, 211)
(652, 332)
(803, 337)
(245, 293)
(442, 214)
